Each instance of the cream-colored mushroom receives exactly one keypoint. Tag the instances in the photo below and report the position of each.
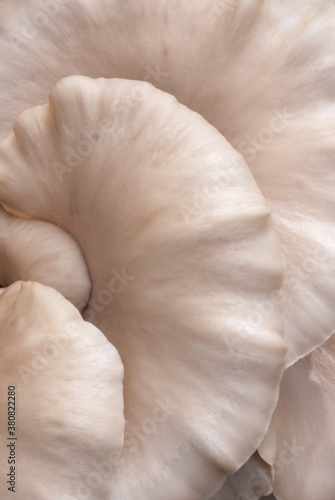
(38, 251)
(300, 444)
(175, 281)
(261, 72)
(63, 383)
(216, 63)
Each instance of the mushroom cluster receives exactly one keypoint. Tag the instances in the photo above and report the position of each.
(167, 249)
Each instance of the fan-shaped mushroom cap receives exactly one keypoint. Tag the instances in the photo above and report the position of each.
(300, 444)
(261, 72)
(68, 418)
(38, 251)
(181, 253)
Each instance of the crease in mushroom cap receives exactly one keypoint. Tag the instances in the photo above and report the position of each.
(261, 72)
(68, 398)
(38, 251)
(251, 482)
(175, 283)
(300, 444)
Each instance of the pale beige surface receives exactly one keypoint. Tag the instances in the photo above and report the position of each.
(201, 375)
(261, 72)
(300, 443)
(69, 402)
(38, 251)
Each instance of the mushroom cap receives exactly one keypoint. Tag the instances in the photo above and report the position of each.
(181, 253)
(261, 72)
(69, 419)
(300, 443)
(38, 251)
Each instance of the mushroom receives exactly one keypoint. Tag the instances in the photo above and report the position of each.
(175, 280)
(280, 119)
(261, 72)
(63, 383)
(38, 251)
(300, 442)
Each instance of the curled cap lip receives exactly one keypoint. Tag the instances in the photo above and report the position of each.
(33, 250)
(11, 292)
(67, 410)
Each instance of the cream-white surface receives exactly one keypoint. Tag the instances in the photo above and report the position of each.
(69, 401)
(38, 251)
(261, 72)
(176, 282)
(300, 444)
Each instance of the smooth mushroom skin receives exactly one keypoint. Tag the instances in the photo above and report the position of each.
(261, 72)
(39, 251)
(69, 421)
(253, 480)
(173, 275)
(300, 444)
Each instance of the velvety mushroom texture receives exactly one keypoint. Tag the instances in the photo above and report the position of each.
(300, 442)
(38, 251)
(181, 253)
(68, 398)
(261, 72)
